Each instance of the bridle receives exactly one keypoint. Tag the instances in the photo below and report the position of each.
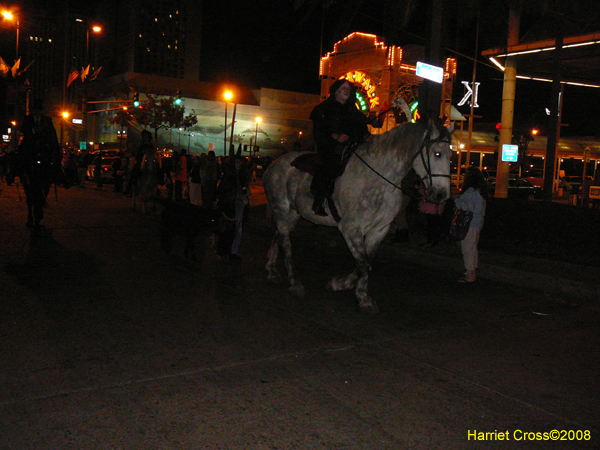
(426, 144)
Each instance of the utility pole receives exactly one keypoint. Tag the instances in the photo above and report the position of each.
(508, 104)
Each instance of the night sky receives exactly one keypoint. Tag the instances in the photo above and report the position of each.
(269, 43)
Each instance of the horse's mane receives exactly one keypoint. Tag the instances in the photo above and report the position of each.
(404, 140)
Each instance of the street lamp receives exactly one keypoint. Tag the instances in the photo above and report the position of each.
(228, 95)
(10, 16)
(94, 29)
(65, 116)
(258, 120)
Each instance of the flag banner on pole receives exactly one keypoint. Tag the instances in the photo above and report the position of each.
(84, 73)
(95, 74)
(25, 69)
(72, 77)
(16, 67)
(4, 68)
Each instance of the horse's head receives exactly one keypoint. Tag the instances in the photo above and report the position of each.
(432, 161)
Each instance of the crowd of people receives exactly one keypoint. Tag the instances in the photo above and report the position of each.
(203, 181)
(221, 183)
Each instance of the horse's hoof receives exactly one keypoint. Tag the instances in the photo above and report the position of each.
(369, 308)
(334, 285)
(297, 291)
(339, 284)
(274, 279)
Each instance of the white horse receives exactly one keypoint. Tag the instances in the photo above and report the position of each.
(367, 197)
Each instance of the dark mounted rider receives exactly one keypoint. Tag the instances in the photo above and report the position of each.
(337, 124)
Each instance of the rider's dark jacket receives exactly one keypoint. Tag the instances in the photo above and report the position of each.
(331, 117)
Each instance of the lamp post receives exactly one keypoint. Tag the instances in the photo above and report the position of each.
(95, 29)
(64, 116)
(258, 120)
(232, 123)
(228, 95)
(10, 16)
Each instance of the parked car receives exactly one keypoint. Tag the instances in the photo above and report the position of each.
(517, 188)
(536, 181)
(107, 170)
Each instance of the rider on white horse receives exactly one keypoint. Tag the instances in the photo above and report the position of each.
(336, 124)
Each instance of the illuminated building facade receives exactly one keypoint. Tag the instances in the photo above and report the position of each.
(380, 72)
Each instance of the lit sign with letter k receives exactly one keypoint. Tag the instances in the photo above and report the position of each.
(471, 92)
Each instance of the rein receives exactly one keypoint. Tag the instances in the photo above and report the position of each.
(410, 194)
(425, 145)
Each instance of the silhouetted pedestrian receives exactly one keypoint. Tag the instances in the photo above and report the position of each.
(37, 162)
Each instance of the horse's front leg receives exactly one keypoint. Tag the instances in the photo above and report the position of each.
(360, 276)
(363, 249)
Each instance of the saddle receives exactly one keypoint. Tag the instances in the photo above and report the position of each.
(323, 182)
(307, 162)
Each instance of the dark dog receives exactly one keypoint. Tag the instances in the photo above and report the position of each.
(187, 221)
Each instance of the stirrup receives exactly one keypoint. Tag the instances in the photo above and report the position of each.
(318, 207)
(320, 210)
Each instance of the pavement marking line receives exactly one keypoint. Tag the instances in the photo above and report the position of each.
(215, 369)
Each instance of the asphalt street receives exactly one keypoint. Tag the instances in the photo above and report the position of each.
(108, 343)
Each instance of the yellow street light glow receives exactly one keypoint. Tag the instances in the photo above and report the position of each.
(7, 15)
(534, 132)
(96, 29)
(65, 114)
(228, 95)
(258, 119)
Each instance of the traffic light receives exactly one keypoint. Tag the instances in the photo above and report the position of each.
(178, 98)
(136, 100)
